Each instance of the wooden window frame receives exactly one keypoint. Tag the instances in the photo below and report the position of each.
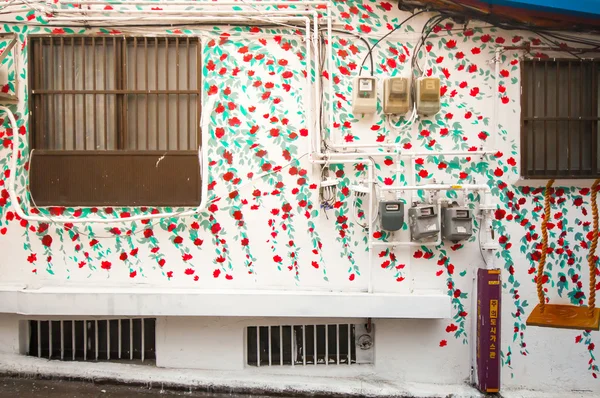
(118, 176)
(559, 172)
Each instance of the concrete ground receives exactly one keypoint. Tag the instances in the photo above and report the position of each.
(32, 388)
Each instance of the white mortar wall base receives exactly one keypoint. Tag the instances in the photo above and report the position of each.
(218, 343)
(9, 335)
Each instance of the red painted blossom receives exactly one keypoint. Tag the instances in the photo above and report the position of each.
(47, 240)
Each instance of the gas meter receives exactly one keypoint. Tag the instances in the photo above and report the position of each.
(423, 222)
(457, 223)
(391, 215)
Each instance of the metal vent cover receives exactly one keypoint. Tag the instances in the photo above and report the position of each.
(291, 345)
(97, 339)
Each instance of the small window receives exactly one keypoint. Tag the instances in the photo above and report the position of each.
(560, 114)
(115, 120)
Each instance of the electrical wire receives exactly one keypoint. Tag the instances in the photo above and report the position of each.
(436, 20)
(383, 37)
(511, 25)
(355, 216)
(365, 41)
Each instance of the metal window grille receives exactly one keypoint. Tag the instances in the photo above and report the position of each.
(303, 345)
(115, 105)
(559, 118)
(93, 340)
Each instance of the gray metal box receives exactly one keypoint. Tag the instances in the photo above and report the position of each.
(457, 223)
(391, 215)
(423, 222)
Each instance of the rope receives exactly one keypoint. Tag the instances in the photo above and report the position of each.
(540, 271)
(592, 253)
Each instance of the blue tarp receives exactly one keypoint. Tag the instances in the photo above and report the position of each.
(589, 8)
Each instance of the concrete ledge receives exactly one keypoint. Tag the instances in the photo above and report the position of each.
(249, 381)
(146, 301)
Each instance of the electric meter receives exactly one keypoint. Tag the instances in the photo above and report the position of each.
(396, 95)
(364, 99)
(428, 96)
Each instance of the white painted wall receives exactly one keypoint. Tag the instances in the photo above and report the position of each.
(406, 350)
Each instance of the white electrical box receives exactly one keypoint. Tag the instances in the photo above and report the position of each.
(396, 96)
(428, 96)
(364, 99)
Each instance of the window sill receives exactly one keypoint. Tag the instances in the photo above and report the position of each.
(558, 182)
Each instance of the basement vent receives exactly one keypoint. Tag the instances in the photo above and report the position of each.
(309, 345)
(93, 340)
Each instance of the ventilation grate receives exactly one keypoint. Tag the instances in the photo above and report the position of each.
(308, 345)
(89, 340)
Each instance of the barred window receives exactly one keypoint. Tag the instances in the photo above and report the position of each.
(114, 120)
(559, 115)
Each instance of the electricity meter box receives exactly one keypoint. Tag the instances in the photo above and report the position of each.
(391, 215)
(457, 223)
(428, 96)
(423, 222)
(396, 95)
(364, 98)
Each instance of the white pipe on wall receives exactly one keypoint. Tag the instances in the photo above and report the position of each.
(438, 187)
(314, 139)
(84, 12)
(497, 61)
(203, 154)
(195, 3)
(370, 218)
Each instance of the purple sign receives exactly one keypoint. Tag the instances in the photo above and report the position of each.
(489, 290)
